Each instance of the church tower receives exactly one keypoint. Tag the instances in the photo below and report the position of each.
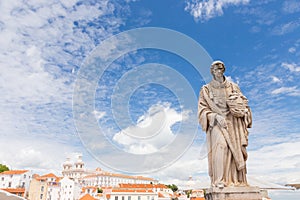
(67, 168)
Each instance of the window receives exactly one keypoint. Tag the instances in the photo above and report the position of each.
(129, 197)
(42, 189)
(148, 197)
(24, 175)
(9, 184)
(139, 197)
(23, 184)
(123, 198)
(41, 196)
(2, 178)
(116, 197)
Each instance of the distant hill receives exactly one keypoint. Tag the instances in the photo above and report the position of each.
(296, 185)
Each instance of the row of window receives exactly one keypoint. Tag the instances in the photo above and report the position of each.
(10, 184)
(2, 178)
(129, 198)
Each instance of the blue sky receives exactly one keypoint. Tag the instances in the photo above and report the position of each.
(46, 44)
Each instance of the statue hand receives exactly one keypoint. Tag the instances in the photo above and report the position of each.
(221, 121)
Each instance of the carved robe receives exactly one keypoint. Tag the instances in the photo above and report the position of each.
(227, 153)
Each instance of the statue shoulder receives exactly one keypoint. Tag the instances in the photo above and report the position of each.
(205, 88)
(206, 92)
(234, 86)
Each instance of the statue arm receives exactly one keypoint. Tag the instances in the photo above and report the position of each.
(205, 115)
(248, 115)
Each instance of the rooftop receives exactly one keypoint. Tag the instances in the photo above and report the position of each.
(12, 172)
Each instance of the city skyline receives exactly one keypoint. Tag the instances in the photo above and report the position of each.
(45, 44)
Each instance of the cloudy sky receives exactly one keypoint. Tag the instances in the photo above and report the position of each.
(138, 111)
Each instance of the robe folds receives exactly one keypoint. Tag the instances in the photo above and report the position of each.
(227, 152)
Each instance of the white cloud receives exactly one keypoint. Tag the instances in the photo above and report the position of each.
(288, 27)
(291, 66)
(291, 6)
(275, 79)
(284, 90)
(27, 153)
(280, 162)
(42, 46)
(99, 114)
(152, 131)
(205, 10)
(292, 50)
(258, 15)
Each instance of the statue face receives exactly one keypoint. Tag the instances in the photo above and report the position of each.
(218, 71)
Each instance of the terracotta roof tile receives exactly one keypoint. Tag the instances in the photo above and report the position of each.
(94, 189)
(14, 190)
(87, 197)
(130, 185)
(11, 172)
(132, 190)
(50, 175)
(160, 195)
(197, 198)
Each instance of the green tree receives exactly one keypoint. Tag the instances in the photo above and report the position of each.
(3, 168)
(188, 193)
(99, 190)
(173, 187)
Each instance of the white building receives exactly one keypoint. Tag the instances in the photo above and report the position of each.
(40, 187)
(98, 177)
(15, 181)
(138, 192)
(69, 189)
(51, 187)
(131, 194)
(107, 179)
(75, 171)
(90, 190)
(53, 191)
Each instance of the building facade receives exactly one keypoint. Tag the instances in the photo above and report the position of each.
(16, 181)
(98, 177)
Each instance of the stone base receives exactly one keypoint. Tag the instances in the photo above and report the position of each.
(233, 193)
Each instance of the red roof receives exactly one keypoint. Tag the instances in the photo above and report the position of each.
(197, 198)
(160, 195)
(132, 190)
(130, 185)
(87, 197)
(50, 175)
(16, 191)
(12, 172)
(93, 188)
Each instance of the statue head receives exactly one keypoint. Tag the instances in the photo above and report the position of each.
(217, 68)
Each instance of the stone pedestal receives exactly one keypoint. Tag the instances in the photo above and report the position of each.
(233, 193)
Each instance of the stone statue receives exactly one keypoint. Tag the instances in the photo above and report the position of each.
(224, 115)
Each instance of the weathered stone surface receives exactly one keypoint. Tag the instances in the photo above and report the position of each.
(224, 115)
(233, 193)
